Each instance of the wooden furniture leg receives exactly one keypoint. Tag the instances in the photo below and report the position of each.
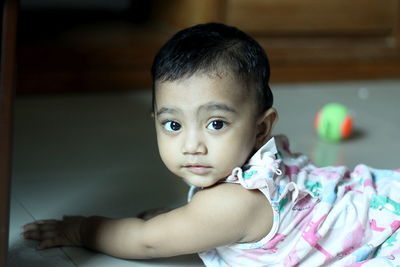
(7, 78)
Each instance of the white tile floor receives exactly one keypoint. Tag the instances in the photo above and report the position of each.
(96, 154)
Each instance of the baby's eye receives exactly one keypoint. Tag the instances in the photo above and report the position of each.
(172, 126)
(216, 125)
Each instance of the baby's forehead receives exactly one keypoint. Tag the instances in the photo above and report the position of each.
(202, 89)
(219, 76)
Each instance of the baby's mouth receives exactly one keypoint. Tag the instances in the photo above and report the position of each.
(197, 169)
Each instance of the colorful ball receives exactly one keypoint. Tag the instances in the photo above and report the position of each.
(333, 122)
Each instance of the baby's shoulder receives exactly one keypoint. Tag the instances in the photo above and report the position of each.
(235, 194)
(246, 208)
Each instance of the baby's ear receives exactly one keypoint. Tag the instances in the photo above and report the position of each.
(265, 123)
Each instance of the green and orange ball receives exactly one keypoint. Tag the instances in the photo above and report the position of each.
(333, 122)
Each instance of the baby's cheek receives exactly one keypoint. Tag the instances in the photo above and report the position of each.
(167, 156)
(228, 165)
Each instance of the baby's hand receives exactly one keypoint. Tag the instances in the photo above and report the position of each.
(54, 233)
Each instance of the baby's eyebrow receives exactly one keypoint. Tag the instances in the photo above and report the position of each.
(166, 110)
(206, 107)
(218, 106)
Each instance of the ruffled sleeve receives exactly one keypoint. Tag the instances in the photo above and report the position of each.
(260, 171)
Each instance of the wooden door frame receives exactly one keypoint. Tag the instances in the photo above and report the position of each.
(7, 85)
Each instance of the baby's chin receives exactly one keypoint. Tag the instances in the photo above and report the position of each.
(204, 182)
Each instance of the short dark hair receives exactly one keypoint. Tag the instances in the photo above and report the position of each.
(213, 47)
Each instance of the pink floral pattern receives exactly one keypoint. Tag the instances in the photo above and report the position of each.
(322, 216)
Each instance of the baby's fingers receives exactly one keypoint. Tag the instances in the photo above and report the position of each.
(52, 233)
(39, 234)
(42, 225)
(39, 225)
(40, 230)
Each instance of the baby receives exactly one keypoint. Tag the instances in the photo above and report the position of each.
(252, 202)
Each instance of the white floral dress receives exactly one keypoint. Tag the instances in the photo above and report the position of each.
(322, 216)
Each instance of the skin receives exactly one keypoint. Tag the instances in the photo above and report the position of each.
(206, 126)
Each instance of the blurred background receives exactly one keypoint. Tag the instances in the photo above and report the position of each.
(97, 45)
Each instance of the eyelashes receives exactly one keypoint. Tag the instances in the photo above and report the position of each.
(213, 125)
(217, 125)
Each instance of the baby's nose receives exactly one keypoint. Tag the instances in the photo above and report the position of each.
(194, 144)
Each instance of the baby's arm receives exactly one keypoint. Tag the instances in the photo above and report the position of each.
(217, 216)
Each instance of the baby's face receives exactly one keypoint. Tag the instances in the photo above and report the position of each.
(206, 126)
